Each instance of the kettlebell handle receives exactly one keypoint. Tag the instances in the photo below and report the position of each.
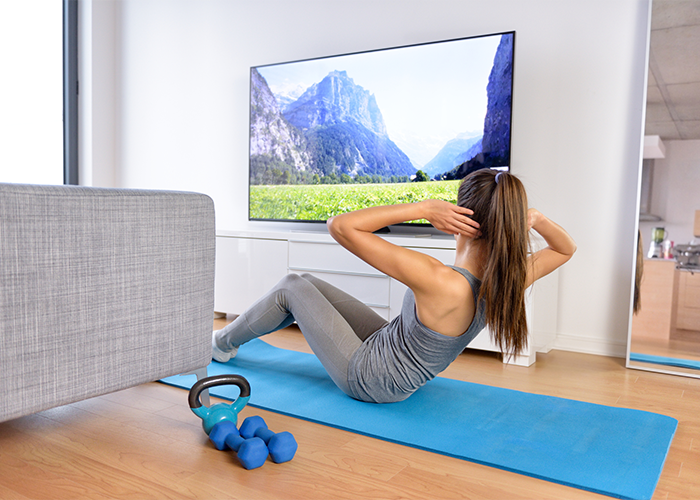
(214, 381)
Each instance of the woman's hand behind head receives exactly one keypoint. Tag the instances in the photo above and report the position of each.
(533, 217)
(450, 218)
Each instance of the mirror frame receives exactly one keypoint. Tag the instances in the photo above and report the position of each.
(666, 369)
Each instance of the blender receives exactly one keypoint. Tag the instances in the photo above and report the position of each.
(658, 234)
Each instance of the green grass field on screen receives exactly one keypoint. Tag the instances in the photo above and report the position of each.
(322, 201)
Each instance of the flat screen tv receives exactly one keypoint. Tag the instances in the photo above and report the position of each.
(396, 125)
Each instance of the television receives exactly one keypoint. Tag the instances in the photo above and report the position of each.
(397, 125)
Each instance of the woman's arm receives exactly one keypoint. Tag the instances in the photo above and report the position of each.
(559, 250)
(354, 231)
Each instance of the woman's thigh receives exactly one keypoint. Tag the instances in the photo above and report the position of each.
(362, 319)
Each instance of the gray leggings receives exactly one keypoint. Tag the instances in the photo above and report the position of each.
(334, 323)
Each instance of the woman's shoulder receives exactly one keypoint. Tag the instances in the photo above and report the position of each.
(474, 282)
(454, 284)
(450, 306)
(465, 272)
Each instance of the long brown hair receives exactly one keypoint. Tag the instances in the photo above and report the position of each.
(499, 202)
(638, 275)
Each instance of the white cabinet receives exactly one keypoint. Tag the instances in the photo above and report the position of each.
(332, 263)
(248, 264)
(246, 268)
(686, 315)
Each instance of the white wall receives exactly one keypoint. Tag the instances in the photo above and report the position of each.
(99, 74)
(182, 110)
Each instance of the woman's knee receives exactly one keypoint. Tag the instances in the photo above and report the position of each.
(291, 279)
(293, 283)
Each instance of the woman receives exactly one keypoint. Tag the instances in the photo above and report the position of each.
(445, 307)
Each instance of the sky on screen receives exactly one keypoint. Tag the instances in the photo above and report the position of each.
(428, 94)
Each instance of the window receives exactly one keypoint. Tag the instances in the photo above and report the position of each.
(31, 101)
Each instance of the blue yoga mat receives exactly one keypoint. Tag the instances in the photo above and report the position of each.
(612, 451)
(662, 360)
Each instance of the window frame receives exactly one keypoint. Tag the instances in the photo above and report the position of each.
(70, 92)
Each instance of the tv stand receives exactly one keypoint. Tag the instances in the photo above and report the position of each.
(249, 263)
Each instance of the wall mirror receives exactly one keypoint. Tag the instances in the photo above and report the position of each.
(664, 332)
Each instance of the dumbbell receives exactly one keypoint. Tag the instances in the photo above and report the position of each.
(282, 446)
(252, 453)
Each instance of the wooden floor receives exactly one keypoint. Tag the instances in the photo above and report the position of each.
(683, 349)
(145, 443)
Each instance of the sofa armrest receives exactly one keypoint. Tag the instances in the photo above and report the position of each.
(100, 290)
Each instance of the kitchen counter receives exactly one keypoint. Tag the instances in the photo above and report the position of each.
(654, 320)
(670, 302)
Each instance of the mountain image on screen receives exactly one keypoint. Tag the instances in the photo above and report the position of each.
(495, 144)
(334, 132)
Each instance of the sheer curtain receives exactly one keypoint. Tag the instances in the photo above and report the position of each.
(31, 95)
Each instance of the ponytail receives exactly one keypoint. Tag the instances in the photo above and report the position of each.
(500, 206)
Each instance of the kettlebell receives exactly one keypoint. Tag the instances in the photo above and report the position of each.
(219, 412)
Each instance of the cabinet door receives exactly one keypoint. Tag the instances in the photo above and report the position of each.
(246, 268)
(657, 289)
(335, 265)
(373, 291)
(326, 256)
(688, 313)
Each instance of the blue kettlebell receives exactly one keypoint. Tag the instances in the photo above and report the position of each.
(219, 412)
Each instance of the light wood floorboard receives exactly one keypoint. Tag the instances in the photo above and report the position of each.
(145, 443)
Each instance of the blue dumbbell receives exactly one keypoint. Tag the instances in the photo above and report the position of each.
(252, 453)
(282, 446)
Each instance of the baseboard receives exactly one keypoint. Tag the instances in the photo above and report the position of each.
(590, 345)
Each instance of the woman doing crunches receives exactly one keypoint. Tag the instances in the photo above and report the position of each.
(444, 308)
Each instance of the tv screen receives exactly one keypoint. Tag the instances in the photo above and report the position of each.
(397, 125)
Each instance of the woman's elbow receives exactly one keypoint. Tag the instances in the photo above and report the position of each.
(568, 253)
(334, 227)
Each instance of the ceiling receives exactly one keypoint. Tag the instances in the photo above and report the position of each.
(673, 97)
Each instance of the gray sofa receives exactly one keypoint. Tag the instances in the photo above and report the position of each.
(100, 290)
